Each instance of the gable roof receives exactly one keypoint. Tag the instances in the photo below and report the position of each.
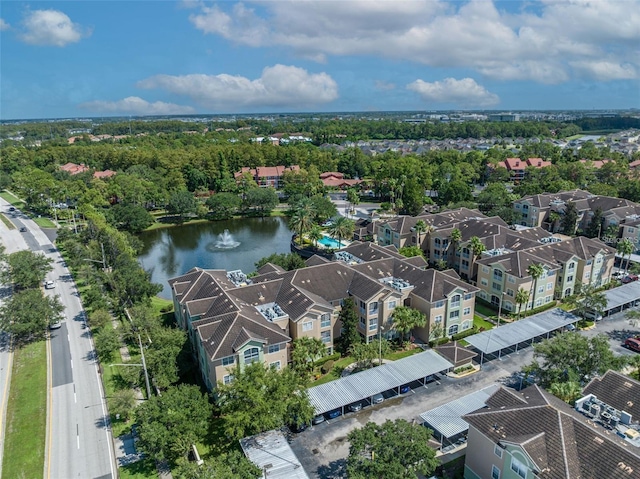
(617, 390)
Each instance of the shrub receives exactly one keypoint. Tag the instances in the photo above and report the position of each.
(438, 342)
(326, 367)
(331, 357)
(167, 308)
(464, 334)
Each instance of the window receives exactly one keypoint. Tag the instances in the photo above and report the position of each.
(466, 325)
(251, 355)
(438, 319)
(363, 322)
(511, 279)
(325, 336)
(549, 286)
(541, 288)
(587, 275)
(510, 292)
(538, 302)
(569, 278)
(454, 314)
(547, 299)
(275, 365)
(571, 266)
(495, 472)
(484, 282)
(518, 468)
(273, 348)
(228, 379)
(228, 361)
(465, 253)
(325, 320)
(468, 296)
(465, 264)
(373, 307)
(497, 450)
(466, 311)
(485, 269)
(439, 304)
(497, 274)
(453, 330)
(308, 326)
(455, 301)
(373, 324)
(497, 286)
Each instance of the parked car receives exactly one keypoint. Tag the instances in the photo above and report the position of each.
(618, 275)
(334, 414)
(404, 389)
(377, 398)
(630, 278)
(355, 407)
(56, 325)
(569, 327)
(317, 419)
(593, 315)
(49, 284)
(633, 344)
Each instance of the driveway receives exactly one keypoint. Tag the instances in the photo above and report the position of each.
(617, 329)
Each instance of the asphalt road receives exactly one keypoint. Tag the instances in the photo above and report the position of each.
(79, 443)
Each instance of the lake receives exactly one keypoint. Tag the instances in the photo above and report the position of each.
(170, 252)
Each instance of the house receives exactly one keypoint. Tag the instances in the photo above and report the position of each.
(334, 179)
(533, 434)
(517, 167)
(267, 176)
(233, 320)
(74, 169)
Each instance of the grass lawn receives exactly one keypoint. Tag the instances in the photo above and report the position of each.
(43, 222)
(6, 221)
(566, 307)
(144, 469)
(26, 424)
(481, 323)
(17, 202)
(485, 310)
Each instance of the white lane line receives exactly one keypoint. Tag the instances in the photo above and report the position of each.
(71, 363)
(74, 394)
(78, 435)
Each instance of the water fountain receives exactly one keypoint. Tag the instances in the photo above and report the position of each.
(226, 241)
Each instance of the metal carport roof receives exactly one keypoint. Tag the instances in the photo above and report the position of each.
(271, 452)
(447, 419)
(622, 295)
(355, 387)
(509, 335)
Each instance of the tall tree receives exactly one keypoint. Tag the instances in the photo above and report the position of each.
(26, 269)
(302, 219)
(626, 248)
(405, 319)
(535, 270)
(594, 228)
(223, 206)
(27, 314)
(233, 465)
(315, 234)
(304, 351)
(393, 450)
(522, 297)
(169, 424)
(182, 203)
(569, 219)
(349, 319)
(455, 236)
(247, 404)
(420, 228)
(342, 228)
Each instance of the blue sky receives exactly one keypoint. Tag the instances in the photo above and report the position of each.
(112, 58)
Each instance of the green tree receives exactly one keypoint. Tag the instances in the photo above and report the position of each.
(587, 299)
(247, 404)
(594, 228)
(27, 314)
(287, 261)
(123, 403)
(182, 203)
(572, 357)
(107, 342)
(349, 319)
(393, 450)
(456, 236)
(535, 270)
(315, 234)
(420, 228)
(129, 217)
(169, 424)
(99, 317)
(569, 219)
(304, 351)
(626, 248)
(411, 251)
(261, 201)
(522, 297)
(223, 205)
(405, 319)
(323, 208)
(26, 269)
(568, 391)
(233, 465)
(365, 353)
(303, 218)
(352, 197)
(342, 228)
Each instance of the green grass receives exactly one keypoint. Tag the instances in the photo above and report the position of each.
(481, 323)
(144, 469)
(17, 202)
(6, 221)
(26, 425)
(566, 307)
(485, 310)
(394, 356)
(43, 222)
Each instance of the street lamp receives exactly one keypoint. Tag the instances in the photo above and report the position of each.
(500, 307)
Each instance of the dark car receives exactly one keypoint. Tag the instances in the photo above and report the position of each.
(317, 419)
(355, 407)
(11, 208)
(334, 414)
(296, 428)
(23, 229)
(404, 389)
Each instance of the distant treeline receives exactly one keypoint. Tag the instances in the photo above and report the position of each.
(613, 123)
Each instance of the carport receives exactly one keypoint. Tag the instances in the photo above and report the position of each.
(363, 385)
(513, 334)
(622, 297)
(446, 420)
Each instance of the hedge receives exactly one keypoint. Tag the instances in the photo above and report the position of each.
(332, 357)
(464, 334)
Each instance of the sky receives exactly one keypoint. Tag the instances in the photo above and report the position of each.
(70, 59)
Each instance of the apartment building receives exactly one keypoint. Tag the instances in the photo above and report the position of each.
(267, 176)
(233, 320)
(517, 167)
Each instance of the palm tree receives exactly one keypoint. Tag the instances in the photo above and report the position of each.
(535, 270)
(342, 228)
(522, 297)
(568, 391)
(302, 218)
(420, 228)
(315, 233)
(456, 236)
(554, 217)
(626, 248)
(477, 247)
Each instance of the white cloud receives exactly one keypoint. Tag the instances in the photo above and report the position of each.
(384, 86)
(605, 70)
(537, 43)
(279, 86)
(137, 106)
(4, 25)
(50, 27)
(463, 93)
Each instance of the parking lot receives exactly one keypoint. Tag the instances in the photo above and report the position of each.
(322, 449)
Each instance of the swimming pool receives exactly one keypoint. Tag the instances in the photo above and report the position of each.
(329, 242)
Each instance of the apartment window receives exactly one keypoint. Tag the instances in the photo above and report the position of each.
(325, 320)
(599, 260)
(497, 286)
(373, 307)
(438, 319)
(228, 379)
(495, 472)
(363, 322)
(547, 299)
(392, 305)
(549, 286)
(468, 296)
(228, 361)
(497, 274)
(308, 326)
(484, 282)
(541, 289)
(485, 269)
(437, 241)
(251, 355)
(510, 292)
(373, 324)
(538, 302)
(571, 266)
(511, 279)
(325, 336)
(525, 207)
(275, 365)
(455, 301)
(273, 348)
(518, 468)
(465, 264)
(587, 275)
(466, 311)
(453, 330)
(550, 273)
(466, 325)
(439, 304)
(454, 314)
(569, 278)
(465, 252)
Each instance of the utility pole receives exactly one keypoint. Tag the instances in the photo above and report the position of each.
(144, 363)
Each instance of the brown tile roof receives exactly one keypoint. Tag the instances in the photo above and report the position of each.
(455, 354)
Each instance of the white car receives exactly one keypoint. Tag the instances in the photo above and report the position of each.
(49, 284)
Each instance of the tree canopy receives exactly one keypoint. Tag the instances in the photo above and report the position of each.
(26, 269)
(393, 450)
(27, 314)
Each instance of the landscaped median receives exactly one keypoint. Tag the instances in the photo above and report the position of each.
(25, 429)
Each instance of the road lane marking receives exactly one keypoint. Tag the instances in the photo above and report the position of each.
(78, 435)
(71, 363)
(50, 404)
(74, 394)
(6, 388)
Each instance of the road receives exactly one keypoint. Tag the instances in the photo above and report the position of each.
(79, 443)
